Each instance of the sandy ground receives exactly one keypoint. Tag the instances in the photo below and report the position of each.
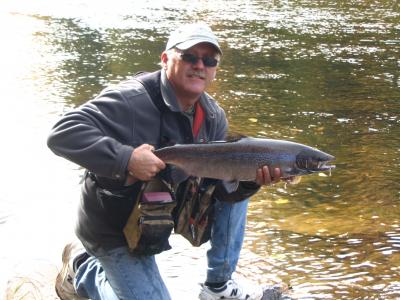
(183, 269)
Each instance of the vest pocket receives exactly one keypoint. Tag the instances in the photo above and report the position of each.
(150, 223)
(195, 213)
(154, 230)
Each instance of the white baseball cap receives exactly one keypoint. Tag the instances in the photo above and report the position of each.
(186, 36)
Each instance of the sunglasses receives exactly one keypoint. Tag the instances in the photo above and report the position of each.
(208, 61)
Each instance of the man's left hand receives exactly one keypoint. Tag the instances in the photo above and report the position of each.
(265, 176)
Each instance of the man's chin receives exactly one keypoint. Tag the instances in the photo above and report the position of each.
(197, 87)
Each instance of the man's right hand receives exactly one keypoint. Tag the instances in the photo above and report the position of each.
(144, 164)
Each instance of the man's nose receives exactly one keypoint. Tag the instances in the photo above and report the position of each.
(199, 63)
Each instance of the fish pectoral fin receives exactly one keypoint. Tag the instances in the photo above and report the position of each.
(177, 175)
(230, 186)
(292, 180)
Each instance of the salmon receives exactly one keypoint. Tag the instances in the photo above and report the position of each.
(238, 160)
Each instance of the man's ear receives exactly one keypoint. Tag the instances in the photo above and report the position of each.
(164, 60)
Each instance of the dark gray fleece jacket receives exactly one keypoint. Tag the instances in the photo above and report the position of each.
(100, 136)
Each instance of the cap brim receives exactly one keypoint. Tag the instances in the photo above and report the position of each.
(190, 43)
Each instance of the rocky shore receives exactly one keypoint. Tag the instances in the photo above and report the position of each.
(183, 269)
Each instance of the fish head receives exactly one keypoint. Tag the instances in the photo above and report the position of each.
(311, 160)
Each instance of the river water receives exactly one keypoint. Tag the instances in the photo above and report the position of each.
(322, 73)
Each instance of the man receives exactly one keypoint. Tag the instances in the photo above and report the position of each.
(113, 136)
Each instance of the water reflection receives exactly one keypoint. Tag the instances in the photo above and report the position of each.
(321, 73)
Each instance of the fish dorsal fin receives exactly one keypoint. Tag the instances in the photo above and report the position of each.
(235, 136)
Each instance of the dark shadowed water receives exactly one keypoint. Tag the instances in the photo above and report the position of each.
(323, 73)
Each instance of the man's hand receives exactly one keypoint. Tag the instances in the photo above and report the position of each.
(143, 164)
(265, 176)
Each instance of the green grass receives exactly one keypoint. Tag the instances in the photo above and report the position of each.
(23, 288)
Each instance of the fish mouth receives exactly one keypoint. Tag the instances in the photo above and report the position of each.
(309, 165)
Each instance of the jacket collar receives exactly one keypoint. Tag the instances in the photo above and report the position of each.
(168, 93)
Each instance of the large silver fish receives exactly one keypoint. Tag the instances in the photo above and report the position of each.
(238, 160)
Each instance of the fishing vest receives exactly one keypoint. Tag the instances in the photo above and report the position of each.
(187, 208)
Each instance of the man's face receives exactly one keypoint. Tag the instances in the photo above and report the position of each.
(189, 79)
